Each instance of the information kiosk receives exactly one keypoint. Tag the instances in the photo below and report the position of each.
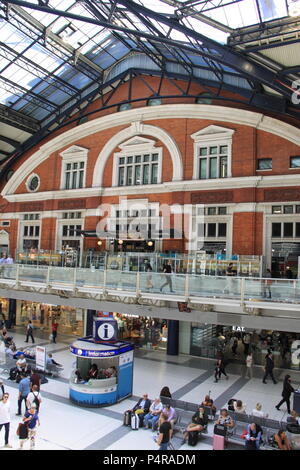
(103, 371)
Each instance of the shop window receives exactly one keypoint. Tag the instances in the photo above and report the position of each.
(294, 162)
(264, 164)
(288, 209)
(276, 229)
(288, 229)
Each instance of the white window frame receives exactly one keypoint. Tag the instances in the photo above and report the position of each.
(21, 236)
(134, 147)
(74, 154)
(212, 136)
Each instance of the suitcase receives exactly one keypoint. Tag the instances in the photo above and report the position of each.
(193, 438)
(218, 442)
(135, 422)
(127, 418)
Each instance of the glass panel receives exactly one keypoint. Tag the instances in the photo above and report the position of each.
(65, 230)
(223, 167)
(295, 162)
(213, 168)
(223, 149)
(203, 151)
(211, 211)
(81, 165)
(31, 231)
(138, 159)
(37, 231)
(146, 174)
(288, 209)
(74, 179)
(155, 157)
(202, 169)
(288, 229)
(211, 230)
(154, 173)
(264, 164)
(297, 209)
(129, 159)
(146, 158)
(80, 182)
(25, 233)
(222, 229)
(129, 176)
(213, 150)
(276, 230)
(137, 174)
(75, 165)
(121, 176)
(276, 210)
(297, 229)
(222, 210)
(68, 166)
(67, 180)
(121, 160)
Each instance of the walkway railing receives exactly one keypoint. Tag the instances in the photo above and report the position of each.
(163, 286)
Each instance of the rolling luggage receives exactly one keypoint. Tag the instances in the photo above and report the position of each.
(135, 422)
(127, 418)
(218, 442)
(193, 438)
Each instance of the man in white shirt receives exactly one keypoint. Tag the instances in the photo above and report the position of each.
(154, 413)
(258, 412)
(34, 398)
(5, 417)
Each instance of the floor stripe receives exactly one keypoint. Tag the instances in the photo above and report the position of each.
(110, 438)
(230, 392)
(191, 385)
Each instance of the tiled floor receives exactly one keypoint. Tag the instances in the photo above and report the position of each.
(65, 426)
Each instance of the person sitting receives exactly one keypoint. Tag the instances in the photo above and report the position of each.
(225, 419)
(208, 402)
(21, 364)
(253, 437)
(78, 378)
(282, 440)
(292, 423)
(170, 413)
(142, 408)
(93, 372)
(154, 412)
(165, 392)
(50, 361)
(239, 407)
(199, 422)
(110, 372)
(257, 411)
(9, 353)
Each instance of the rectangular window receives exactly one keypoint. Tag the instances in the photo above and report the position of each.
(288, 229)
(211, 211)
(213, 162)
(276, 210)
(223, 167)
(297, 229)
(294, 162)
(154, 174)
(264, 164)
(213, 168)
(222, 230)
(74, 175)
(202, 170)
(138, 169)
(276, 229)
(297, 209)
(137, 174)
(288, 209)
(222, 210)
(211, 230)
(146, 174)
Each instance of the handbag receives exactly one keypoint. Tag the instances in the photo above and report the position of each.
(220, 430)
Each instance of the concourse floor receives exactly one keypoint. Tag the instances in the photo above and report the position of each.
(66, 426)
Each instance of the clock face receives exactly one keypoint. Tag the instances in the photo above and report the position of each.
(9, 174)
(33, 183)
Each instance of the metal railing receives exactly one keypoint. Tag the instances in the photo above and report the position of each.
(164, 286)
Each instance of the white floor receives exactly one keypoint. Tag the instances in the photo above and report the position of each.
(65, 426)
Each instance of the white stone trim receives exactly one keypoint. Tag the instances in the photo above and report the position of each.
(128, 133)
(172, 111)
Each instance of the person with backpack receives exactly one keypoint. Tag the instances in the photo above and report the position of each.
(29, 332)
(286, 394)
(34, 398)
(5, 417)
(31, 420)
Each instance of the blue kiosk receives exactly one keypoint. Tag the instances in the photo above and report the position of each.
(103, 373)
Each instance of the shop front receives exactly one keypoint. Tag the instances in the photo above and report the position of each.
(70, 320)
(235, 341)
(144, 332)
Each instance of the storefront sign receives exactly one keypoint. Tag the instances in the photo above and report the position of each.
(40, 357)
(238, 328)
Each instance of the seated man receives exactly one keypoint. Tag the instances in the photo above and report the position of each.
(199, 422)
(142, 408)
(50, 361)
(253, 436)
(170, 414)
(21, 364)
(154, 413)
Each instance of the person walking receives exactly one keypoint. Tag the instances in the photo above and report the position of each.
(220, 369)
(267, 284)
(230, 272)
(5, 418)
(54, 331)
(167, 269)
(269, 368)
(31, 419)
(286, 394)
(29, 332)
(249, 364)
(34, 398)
(165, 433)
(24, 390)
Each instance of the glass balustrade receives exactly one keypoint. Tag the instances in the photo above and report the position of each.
(189, 285)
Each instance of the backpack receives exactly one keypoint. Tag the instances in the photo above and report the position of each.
(36, 401)
(22, 431)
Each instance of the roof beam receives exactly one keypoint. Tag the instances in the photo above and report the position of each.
(19, 120)
(8, 140)
(211, 49)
